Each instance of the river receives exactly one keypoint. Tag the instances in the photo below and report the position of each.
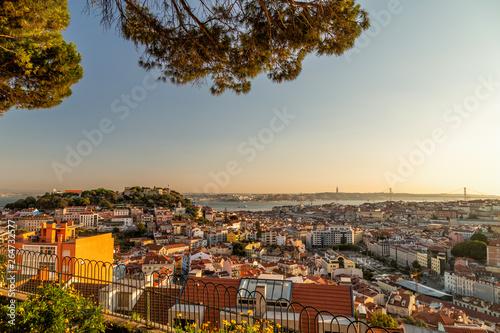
(6, 200)
(263, 206)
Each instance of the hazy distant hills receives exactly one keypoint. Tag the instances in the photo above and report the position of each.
(327, 196)
(6, 192)
(333, 196)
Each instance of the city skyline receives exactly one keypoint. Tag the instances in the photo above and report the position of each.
(414, 106)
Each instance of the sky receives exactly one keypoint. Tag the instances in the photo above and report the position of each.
(414, 106)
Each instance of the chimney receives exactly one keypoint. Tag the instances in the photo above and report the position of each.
(260, 300)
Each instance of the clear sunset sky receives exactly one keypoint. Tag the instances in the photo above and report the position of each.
(416, 107)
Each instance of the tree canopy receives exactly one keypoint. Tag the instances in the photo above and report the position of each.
(479, 236)
(473, 249)
(104, 198)
(230, 42)
(37, 66)
(238, 249)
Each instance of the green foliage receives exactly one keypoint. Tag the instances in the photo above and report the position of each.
(141, 229)
(38, 66)
(105, 204)
(231, 42)
(136, 316)
(259, 326)
(367, 274)
(203, 221)
(394, 263)
(415, 322)
(169, 200)
(259, 230)
(239, 249)
(105, 199)
(21, 231)
(416, 265)
(479, 236)
(98, 196)
(383, 320)
(54, 309)
(101, 197)
(3, 267)
(473, 249)
(83, 232)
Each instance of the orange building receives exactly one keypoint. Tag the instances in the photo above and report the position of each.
(58, 249)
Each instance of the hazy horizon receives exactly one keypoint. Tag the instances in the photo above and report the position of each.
(454, 193)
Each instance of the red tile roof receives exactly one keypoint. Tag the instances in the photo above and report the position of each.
(462, 329)
(307, 299)
(321, 297)
(471, 313)
(434, 318)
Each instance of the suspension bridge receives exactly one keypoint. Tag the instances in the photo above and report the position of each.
(464, 193)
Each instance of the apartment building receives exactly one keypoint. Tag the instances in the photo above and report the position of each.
(268, 237)
(89, 219)
(493, 253)
(337, 234)
(33, 222)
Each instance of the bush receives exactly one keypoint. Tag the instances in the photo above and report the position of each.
(383, 320)
(54, 309)
(415, 322)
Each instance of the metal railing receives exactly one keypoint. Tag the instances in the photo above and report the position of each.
(161, 300)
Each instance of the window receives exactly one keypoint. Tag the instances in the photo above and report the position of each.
(275, 290)
(51, 266)
(48, 249)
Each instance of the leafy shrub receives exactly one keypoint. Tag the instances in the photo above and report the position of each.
(54, 310)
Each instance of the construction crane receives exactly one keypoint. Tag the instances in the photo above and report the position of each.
(416, 274)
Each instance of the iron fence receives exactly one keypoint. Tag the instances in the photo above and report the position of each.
(160, 300)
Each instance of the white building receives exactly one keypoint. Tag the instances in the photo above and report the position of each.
(459, 284)
(280, 240)
(337, 234)
(89, 219)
